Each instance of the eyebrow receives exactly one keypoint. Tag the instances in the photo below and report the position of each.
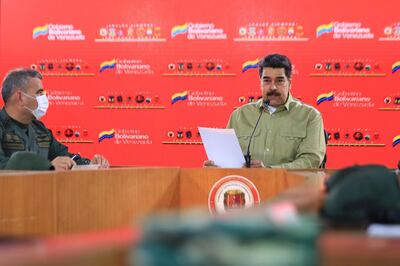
(279, 77)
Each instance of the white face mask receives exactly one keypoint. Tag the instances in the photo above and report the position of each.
(43, 105)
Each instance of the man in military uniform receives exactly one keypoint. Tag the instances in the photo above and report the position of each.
(25, 102)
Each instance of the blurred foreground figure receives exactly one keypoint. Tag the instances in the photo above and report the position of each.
(253, 237)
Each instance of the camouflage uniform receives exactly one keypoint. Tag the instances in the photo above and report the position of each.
(34, 137)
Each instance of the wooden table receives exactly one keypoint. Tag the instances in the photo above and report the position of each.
(52, 203)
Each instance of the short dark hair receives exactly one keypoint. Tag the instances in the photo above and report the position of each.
(276, 61)
(17, 79)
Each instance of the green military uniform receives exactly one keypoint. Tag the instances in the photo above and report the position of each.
(360, 195)
(34, 137)
(291, 137)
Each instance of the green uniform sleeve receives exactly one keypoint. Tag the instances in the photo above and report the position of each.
(59, 149)
(3, 158)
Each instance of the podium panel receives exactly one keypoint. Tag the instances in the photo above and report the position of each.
(27, 204)
(49, 203)
(196, 184)
(92, 200)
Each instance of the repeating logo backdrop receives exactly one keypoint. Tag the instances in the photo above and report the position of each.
(134, 79)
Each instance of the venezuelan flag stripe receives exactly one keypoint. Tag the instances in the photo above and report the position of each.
(250, 64)
(180, 96)
(325, 97)
(106, 135)
(107, 64)
(324, 28)
(42, 30)
(179, 29)
(395, 66)
(396, 140)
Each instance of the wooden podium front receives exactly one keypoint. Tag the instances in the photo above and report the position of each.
(27, 204)
(51, 203)
(103, 199)
(195, 184)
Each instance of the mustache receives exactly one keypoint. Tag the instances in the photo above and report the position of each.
(273, 93)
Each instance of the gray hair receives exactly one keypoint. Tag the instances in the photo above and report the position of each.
(17, 79)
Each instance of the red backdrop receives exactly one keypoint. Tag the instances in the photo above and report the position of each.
(113, 68)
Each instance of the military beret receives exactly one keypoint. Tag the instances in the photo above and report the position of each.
(24, 160)
(360, 195)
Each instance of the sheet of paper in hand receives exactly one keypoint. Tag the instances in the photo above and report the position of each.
(222, 147)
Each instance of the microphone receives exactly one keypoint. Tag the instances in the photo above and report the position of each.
(247, 157)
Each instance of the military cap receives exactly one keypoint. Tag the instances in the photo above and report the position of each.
(24, 160)
(360, 195)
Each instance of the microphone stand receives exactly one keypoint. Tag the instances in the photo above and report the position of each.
(247, 156)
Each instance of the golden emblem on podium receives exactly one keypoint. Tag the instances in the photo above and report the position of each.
(234, 199)
(232, 193)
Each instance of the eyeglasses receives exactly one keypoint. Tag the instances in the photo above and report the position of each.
(278, 82)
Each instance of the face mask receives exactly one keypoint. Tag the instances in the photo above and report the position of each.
(41, 109)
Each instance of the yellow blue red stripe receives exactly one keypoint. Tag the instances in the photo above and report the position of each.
(325, 97)
(106, 135)
(107, 64)
(180, 96)
(396, 140)
(324, 28)
(250, 64)
(395, 66)
(179, 29)
(41, 30)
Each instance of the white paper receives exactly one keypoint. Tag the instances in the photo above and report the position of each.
(85, 167)
(222, 147)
